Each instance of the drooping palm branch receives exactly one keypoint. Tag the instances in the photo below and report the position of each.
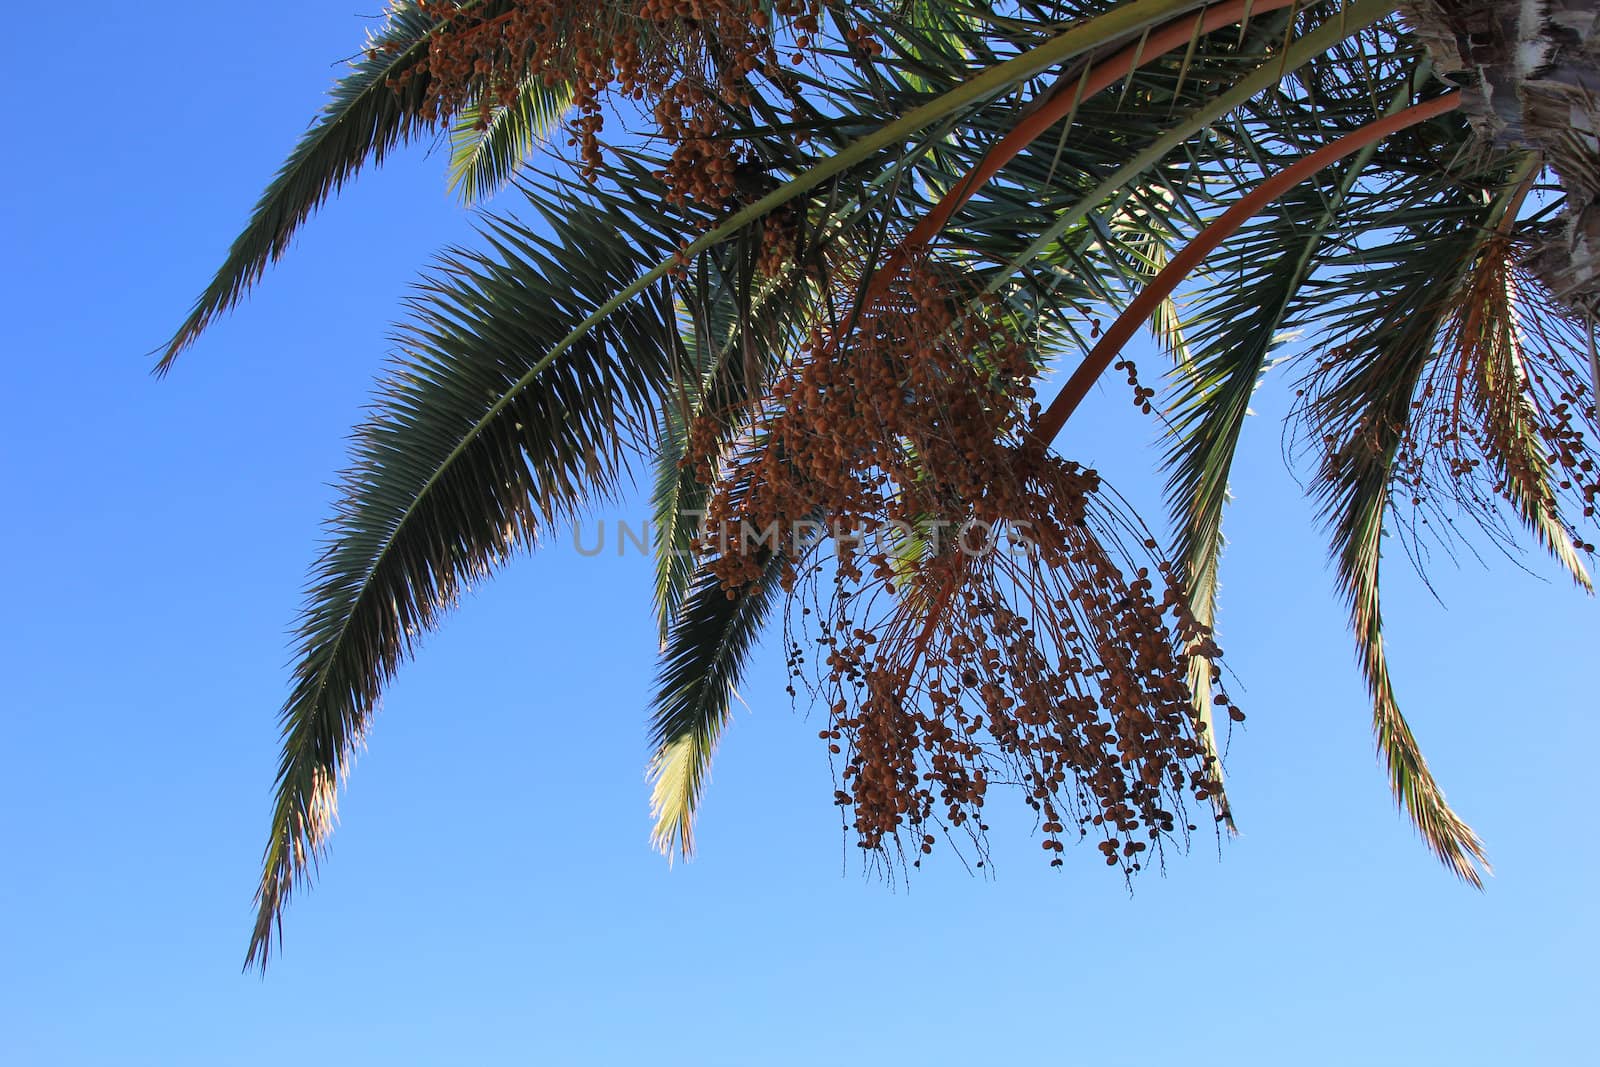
(501, 348)
(488, 146)
(377, 106)
(1067, 158)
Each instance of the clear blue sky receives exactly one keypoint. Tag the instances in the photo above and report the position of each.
(491, 897)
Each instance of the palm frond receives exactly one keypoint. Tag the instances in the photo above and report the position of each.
(706, 652)
(1358, 484)
(676, 499)
(1140, 160)
(736, 327)
(1235, 328)
(1361, 405)
(1397, 304)
(487, 148)
(365, 118)
(1497, 406)
(495, 422)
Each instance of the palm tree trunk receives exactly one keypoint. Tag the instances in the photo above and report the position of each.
(1536, 65)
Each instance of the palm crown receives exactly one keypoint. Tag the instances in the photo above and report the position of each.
(859, 232)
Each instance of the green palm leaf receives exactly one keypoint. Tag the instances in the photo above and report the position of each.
(1499, 398)
(493, 424)
(1154, 156)
(1234, 331)
(705, 654)
(486, 150)
(1511, 412)
(675, 497)
(736, 328)
(364, 119)
(1363, 405)
(1357, 495)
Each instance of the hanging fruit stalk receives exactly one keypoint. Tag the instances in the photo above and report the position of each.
(1162, 286)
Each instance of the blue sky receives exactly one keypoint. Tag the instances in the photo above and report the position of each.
(491, 896)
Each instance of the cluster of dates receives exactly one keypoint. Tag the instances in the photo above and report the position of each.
(980, 620)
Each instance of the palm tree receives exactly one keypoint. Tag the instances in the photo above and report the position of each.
(958, 194)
